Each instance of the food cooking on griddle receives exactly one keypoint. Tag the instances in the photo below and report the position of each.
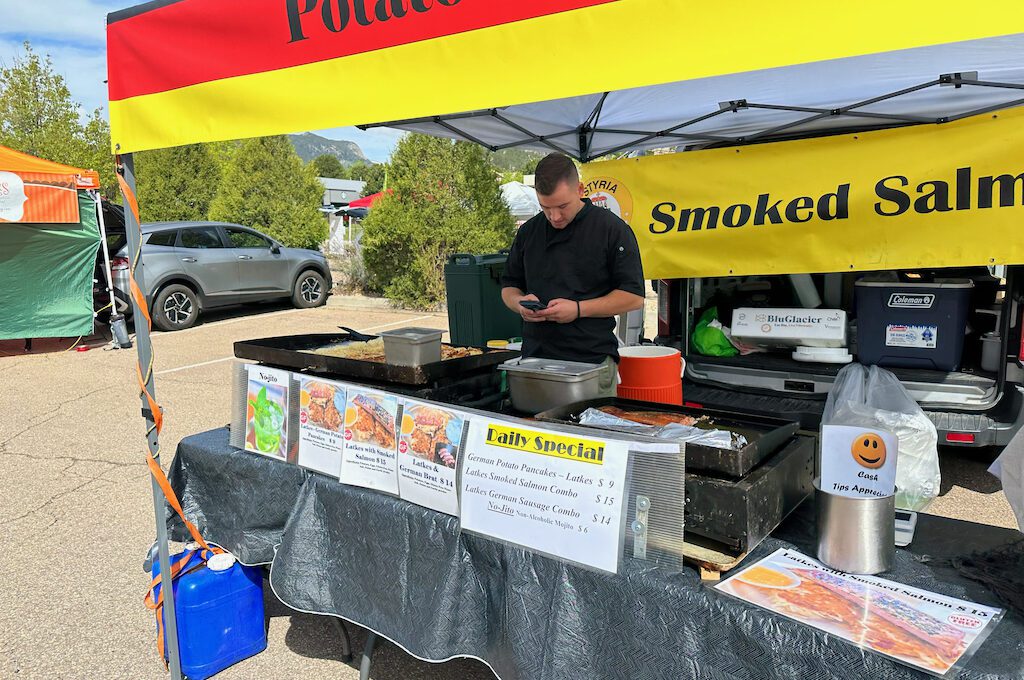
(373, 422)
(659, 418)
(373, 350)
(678, 427)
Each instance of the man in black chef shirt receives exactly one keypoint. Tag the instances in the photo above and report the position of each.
(583, 262)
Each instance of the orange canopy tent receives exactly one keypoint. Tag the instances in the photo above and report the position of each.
(40, 191)
(22, 163)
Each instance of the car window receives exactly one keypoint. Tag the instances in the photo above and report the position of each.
(201, 237)
(246, 239)
(163, 238)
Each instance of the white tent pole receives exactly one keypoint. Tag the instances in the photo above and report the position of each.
(106, 252)
(144, 347)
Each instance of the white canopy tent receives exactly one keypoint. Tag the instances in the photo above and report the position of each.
(933, 84)
(521, 199)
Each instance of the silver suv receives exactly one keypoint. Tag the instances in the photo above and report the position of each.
(194, 266)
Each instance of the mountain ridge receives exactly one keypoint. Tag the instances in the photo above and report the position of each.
(310, 145)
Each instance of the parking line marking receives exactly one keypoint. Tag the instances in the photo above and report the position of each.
(185, 368)
(217, 361)
(225, 322)
(393, 323)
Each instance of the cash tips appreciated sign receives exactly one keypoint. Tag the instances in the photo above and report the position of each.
(547, 491)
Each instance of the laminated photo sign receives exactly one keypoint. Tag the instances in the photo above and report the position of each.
(545, 490)
(858, 462)
(924, 630)
(369, 456)
(321, 425)
(428, 449)
(266, 421)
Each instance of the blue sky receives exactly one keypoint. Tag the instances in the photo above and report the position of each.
(75, 41)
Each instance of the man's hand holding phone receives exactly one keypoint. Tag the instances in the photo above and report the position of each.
(530, 307)
(561, 310)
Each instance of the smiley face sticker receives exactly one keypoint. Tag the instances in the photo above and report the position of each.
(868, 450)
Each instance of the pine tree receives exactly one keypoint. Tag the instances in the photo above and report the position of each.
(446, 200)
(177, 183)
(266, 186)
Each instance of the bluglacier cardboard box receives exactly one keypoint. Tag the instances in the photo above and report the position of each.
(780, 327)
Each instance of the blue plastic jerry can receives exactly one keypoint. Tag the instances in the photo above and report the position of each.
(192, 561)
(219, 608)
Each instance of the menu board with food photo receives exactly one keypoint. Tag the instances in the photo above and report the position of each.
(266, 414)
(924, 630)
(428, 448)
(321, 425)
(369, 456)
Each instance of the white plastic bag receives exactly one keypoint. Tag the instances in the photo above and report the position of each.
(874, 398)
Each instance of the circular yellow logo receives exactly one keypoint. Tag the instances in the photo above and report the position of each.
(610, 194)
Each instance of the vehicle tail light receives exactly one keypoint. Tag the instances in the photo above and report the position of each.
(118, 264)
(960, 437)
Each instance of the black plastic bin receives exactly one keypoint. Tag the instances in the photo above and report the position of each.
(912, 325)
(476, 313)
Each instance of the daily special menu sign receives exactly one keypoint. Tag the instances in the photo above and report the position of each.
(321, 425)
(428, 449)
(547, 491)
(369, 456)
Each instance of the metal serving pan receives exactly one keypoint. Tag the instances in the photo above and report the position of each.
(764, 434)
(295, 352)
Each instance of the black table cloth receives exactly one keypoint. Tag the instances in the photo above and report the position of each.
(407, 573)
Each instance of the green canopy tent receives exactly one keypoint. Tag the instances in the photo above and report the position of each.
(49, 238)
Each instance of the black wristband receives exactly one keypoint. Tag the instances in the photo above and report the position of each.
(579, 312)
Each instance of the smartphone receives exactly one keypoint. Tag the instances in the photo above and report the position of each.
(533, 305)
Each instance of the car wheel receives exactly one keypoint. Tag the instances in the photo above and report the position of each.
(175, 308)
(310, 290)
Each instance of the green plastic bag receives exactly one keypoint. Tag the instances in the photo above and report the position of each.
(709, 340)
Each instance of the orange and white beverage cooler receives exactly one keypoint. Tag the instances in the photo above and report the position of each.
(651, 373)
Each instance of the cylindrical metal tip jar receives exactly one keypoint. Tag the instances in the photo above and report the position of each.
(856, 535)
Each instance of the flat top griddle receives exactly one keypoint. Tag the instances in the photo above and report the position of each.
(764, 435)
(295, 352)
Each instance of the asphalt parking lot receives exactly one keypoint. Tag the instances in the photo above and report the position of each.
(76, 514)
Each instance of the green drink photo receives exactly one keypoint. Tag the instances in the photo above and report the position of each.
(268, 423)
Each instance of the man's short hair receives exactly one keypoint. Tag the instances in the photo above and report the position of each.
(552, 170)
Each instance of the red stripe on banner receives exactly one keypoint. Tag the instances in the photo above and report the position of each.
(197, 41)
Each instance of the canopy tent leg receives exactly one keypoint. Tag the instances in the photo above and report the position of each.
(364, 667)
(144, 348)
(106, 251)
(346, 641)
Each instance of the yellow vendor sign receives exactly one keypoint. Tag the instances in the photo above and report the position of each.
(924, 196)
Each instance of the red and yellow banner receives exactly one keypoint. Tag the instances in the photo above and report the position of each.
(190, 71)
(923, 196)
